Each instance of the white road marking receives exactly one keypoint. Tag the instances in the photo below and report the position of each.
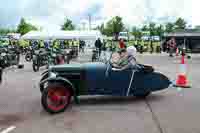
(8, 129)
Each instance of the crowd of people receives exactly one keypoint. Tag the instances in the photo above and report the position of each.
(57, 44)
(101, 45)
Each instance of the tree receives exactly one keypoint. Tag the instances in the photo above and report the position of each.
(160, 31)
(4, 31)
(145, 28)
(25, 27)
(102, 29)
(180, 24)
(68, 25)
(169, 27)
(137, 33)
(152, 29)
(114, 26)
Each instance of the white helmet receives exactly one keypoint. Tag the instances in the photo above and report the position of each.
(131, 50)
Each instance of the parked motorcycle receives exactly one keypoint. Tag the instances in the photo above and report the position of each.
(40, 58)
(49, 57)
(9, 57)
(29, 54)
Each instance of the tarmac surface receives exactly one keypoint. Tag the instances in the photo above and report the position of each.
(173, 110)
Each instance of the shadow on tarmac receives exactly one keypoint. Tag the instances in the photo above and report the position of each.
(100, 100)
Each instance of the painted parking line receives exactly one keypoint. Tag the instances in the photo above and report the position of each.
(9, 129)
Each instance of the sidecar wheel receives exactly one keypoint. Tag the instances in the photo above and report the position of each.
(142, 95)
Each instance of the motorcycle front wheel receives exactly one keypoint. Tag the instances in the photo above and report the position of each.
(28, 57)
(36, 65)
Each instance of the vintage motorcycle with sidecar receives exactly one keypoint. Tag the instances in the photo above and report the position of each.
(62, 82)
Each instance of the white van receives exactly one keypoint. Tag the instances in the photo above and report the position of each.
(124, 36)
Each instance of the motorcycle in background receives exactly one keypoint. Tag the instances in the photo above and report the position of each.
(40, 58)
(29, 54)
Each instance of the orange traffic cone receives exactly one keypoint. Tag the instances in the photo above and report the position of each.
(177, 51)
(182, 78)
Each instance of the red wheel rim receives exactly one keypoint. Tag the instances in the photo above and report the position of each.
(58, 98)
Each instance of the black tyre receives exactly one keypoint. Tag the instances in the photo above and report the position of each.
(56, 98)
(28, 57)
(43, 78)
(20, 66)
(3, 63)
(36, 65)
(18, 59)
(189, 57)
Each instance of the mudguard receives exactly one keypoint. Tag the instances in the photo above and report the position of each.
(50, 79)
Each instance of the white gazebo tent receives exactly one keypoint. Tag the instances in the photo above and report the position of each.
(88, 36)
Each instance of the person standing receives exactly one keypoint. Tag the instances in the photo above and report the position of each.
(98, 45)
(151, 47)
(122, 44)
(104, 45)
(172, 45)
(141, 46)
(82, 45)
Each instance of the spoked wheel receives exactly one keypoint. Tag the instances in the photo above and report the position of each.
(56, 98)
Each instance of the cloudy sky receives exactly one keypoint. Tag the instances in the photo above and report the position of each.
(50, 14)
